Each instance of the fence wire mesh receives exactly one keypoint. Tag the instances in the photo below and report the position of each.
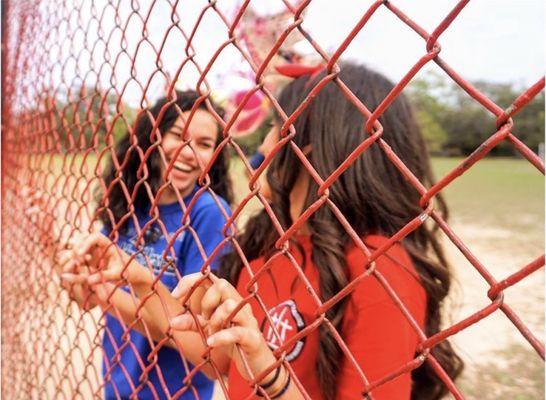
(69, 73)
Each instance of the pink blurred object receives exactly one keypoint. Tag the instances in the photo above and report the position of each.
(259, 33)
(253, 114)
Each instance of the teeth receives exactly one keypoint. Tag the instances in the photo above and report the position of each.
(182, 167)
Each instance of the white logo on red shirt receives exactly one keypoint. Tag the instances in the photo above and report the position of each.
(287, 322)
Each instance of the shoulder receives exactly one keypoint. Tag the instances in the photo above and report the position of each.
(394, 265)
(208, 205)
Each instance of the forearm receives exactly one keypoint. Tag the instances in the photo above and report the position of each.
(125, 307)
(160, 307)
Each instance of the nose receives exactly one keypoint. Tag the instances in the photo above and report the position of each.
(186, 153)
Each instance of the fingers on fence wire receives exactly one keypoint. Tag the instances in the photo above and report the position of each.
(187, 322)
(244, 333)
(103, 292)
(221, 314)
(220, 291)
(95, 295)
(89, 297)
(95, 240)
(74, 279)
(68, 260)
(68, 263)
(206, 292)
(214, 301)
(243, 336)
(81, 295)
(94, 259)
(80, 278)
(107, 261)
(195, 285)
(188, 282)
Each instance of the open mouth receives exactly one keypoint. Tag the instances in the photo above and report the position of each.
(183, 168)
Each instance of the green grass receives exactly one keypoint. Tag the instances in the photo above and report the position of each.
(498, 202)
(495, 190)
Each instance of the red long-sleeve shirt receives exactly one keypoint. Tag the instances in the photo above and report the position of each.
(374, 329)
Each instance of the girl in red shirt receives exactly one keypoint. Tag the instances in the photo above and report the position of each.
(263, 317)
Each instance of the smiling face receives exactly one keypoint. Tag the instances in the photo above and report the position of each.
(186, 160)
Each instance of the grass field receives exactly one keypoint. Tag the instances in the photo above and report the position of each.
(500, 192)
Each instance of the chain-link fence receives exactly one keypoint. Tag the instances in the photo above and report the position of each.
(77, 76)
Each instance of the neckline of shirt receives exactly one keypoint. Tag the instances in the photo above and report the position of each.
(175, 206)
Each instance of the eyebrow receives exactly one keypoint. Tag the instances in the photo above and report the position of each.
(175, 129)
(179, 131)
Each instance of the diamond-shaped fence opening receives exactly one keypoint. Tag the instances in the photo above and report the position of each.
(79, 78)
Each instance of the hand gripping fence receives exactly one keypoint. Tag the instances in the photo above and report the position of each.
(58, 126)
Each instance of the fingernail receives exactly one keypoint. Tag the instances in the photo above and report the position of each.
(210, 340)
(177, 318)
(175, 322)
(178, 292)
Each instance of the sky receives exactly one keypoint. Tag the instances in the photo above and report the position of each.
(495, 40)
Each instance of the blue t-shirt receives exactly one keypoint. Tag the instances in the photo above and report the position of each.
(124, 366)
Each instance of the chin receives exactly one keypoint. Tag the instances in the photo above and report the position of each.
(186, 188)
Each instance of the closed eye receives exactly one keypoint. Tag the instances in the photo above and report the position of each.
(207, 144)
(177, 132)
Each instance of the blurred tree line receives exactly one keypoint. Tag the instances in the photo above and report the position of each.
(453, 123)
(84, 118)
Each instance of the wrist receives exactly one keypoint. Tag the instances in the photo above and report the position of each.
(276, 387)
(263, 359)
(137, 274)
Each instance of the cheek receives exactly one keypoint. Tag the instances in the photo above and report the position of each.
(205, 155)
(265, 189)
(169, 146)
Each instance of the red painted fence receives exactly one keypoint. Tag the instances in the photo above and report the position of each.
(63, 100)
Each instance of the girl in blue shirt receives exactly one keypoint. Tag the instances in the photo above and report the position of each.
(152, 173)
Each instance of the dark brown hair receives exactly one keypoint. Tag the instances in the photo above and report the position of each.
(372, 195)
(129, 152)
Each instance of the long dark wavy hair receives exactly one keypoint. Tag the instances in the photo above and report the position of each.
(373, 196)
(129, 176)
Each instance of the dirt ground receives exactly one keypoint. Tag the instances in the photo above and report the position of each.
(493, 347)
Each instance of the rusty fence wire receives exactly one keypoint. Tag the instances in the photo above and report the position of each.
(68, 72)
